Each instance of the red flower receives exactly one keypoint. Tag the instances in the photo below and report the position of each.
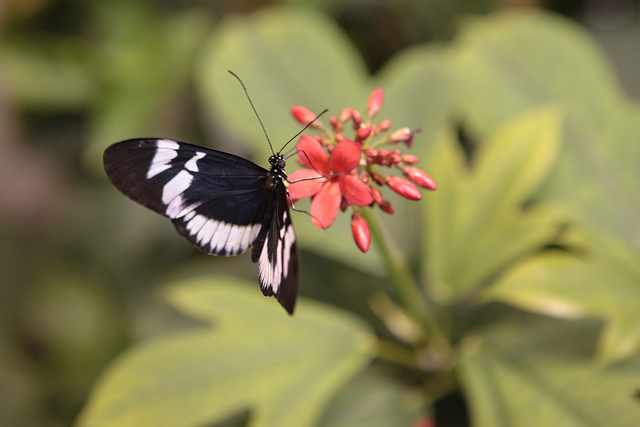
(328, 181)
(341, 172)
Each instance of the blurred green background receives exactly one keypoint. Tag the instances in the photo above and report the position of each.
(82, 266)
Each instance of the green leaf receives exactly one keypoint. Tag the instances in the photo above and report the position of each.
(147, 59)
(284, 369)
(45, 74)
(605, 283)
(419, 94)
(374, 399)
(535, 377)
(476, 225)
(509, 63)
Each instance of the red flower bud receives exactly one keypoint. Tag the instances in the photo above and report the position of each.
(302, 115)
(420, 178)
(377, 196)
(363, 133)
(402, 135)
(370, 152)
(375, 102)
(345, 115)
(403, 187)
(378, 178)
(387, 207)
(357, 118)
(384, 125)
(360, 230)
(394, 157)
(410, 159)
(337, 126)
(383, 154)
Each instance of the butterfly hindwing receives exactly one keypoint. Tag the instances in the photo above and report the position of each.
(278, 259)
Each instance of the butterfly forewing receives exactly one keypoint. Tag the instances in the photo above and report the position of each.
(216, 200)
(221, 203)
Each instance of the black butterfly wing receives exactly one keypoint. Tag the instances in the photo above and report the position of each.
(216, 200)
(278, 255)
(221, 203)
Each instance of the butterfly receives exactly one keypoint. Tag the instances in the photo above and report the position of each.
(221, 203)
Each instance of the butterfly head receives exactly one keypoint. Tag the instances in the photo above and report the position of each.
(277, 162)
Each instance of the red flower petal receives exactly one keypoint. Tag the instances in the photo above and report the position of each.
(306, 188)
(312, 155)
(354, 191)
(346, 156)
(325, 205)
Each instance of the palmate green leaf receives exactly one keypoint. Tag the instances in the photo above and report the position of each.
(256, 357)
(510, 63)
(542, 377)
(604, 283)
(476, 225)
(374, 399)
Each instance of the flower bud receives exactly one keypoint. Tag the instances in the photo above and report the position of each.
(375, 102)
(357, 118)
(360, 230)
(378, 178)
(345, 115)
(409, 159)
(370, 152)
(420, 178)
(403, 187)
(363, 133)
(383, 154)
(387, 207)
(384, 125)
(335, 124)
(303, 115)
(402, 135)
(377, 196)
(394, 157)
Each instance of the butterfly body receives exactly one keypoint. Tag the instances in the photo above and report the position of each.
(222, 203)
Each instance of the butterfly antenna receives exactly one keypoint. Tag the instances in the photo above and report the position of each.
(303, 129)
(255, 111)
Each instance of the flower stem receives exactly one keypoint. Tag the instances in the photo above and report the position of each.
(407, 288)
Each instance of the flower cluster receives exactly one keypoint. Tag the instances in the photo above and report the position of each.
(341, 172)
